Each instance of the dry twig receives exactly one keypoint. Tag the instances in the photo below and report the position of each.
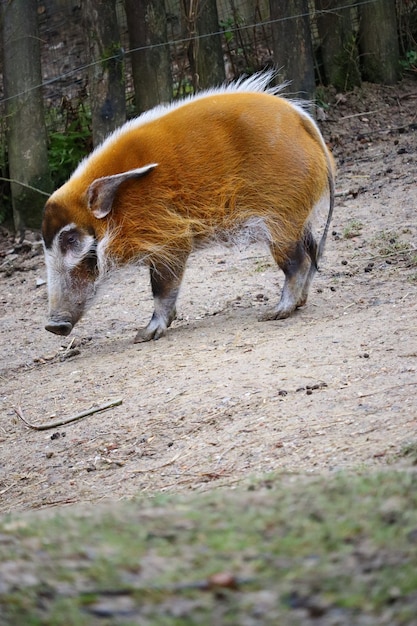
(62, 422)
(153, 469)
(364, 113)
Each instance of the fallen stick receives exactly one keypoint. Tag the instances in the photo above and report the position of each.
(62, 422)
(348, 117)
(153, 469)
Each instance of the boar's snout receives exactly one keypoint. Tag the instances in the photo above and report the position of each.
(59, 327)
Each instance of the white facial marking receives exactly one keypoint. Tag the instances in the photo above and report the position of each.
(65, 254)
(104, 263)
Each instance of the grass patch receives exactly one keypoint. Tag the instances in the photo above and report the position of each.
(394, 250)
(389, 243)
(262, 265)
(409, 451)
(345, 547)
(352, 229)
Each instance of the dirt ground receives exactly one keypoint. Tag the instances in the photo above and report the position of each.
(223, 396)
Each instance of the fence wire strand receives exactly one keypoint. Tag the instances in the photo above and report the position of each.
(181, 41)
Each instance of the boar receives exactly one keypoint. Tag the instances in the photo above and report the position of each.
(238, 158)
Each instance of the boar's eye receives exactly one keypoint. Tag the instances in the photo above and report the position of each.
(69, 240)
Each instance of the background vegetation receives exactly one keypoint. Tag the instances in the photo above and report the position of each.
(72, 71)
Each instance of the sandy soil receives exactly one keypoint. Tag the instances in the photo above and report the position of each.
(223, 396)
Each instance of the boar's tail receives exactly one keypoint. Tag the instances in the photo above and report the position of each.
(330, 180)
(314, 249)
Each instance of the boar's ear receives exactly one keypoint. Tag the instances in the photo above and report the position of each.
(102, 191)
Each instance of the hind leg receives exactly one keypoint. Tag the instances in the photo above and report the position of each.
(299, 267)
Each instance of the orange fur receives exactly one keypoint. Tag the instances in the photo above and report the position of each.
(222, 159)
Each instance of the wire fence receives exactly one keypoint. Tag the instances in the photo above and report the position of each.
(245, 28)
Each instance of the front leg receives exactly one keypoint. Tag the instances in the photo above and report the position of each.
(165, 282)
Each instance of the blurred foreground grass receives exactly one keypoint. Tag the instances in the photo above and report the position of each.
(338, 550)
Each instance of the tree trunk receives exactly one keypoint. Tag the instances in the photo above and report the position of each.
(205, 52)
(106, 76)
(293, 50)
(338, 44)
(26, 132)
(151, 67)
(379, 42)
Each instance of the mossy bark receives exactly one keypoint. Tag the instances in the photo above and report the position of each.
(379, 42)
(151, 68)
(293, 50)
(26, 132)
(205, 52)
(106, 74)
(339, 51)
